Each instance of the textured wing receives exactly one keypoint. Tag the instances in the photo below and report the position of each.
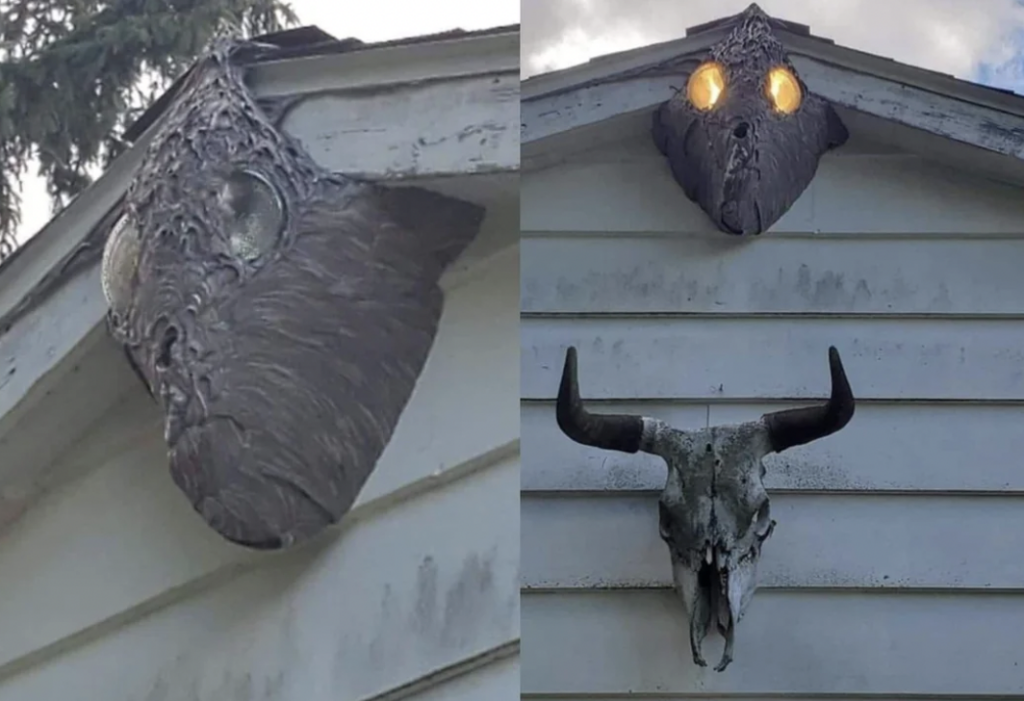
(789, 153)
(672, 125)
(745, 184)
(326, 346)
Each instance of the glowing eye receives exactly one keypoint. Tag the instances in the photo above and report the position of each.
(120, 258)
(255, 214)
(783, 90)
(706, 86)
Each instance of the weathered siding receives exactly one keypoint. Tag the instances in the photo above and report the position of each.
(891, 570)
(115, 589)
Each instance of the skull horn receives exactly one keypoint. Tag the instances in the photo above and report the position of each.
(608, 431)
(793, 427)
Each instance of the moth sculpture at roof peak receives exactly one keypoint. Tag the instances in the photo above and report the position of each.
(279, 313)
(714, 513)
(744, 138)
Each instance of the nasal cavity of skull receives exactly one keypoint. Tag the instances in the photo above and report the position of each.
(163, 360)
(740, 132)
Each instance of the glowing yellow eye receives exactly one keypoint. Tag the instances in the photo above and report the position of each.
(783, 90)
(705, 86)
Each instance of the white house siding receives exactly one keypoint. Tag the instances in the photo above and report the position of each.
(895, 567)
(114, 589)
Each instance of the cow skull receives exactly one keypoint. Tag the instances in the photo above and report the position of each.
(714, 512)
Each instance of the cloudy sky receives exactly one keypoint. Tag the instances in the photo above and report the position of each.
(974, 39)
(375, 21)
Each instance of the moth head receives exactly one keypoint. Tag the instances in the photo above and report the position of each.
(744, 138)
(166, 266)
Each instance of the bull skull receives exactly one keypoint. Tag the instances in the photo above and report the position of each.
(714, 513)
(745, 137)
(279, 313)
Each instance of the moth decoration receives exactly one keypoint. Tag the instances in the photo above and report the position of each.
(744, 138)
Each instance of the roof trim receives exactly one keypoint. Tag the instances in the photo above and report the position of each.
(389, 65)
(310, 40)
(608, 67)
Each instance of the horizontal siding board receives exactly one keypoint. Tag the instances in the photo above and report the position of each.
(886, 447)
(826, 541)
(423, 592)
(627, 358)
(374, 611)
(813, 643)
(497, 681)
(852, 194)
(724, 275)
(122, 534)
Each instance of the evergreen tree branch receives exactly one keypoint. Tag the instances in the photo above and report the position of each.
(74, 74)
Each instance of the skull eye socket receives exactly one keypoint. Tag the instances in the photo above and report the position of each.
(705, 86)
(120, 259)
(255, 214)
(783, 90)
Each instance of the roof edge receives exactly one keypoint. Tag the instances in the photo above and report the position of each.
(614, 66)
(733, 20)
(306, 41)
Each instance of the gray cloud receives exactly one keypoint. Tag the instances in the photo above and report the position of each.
(951, 36)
